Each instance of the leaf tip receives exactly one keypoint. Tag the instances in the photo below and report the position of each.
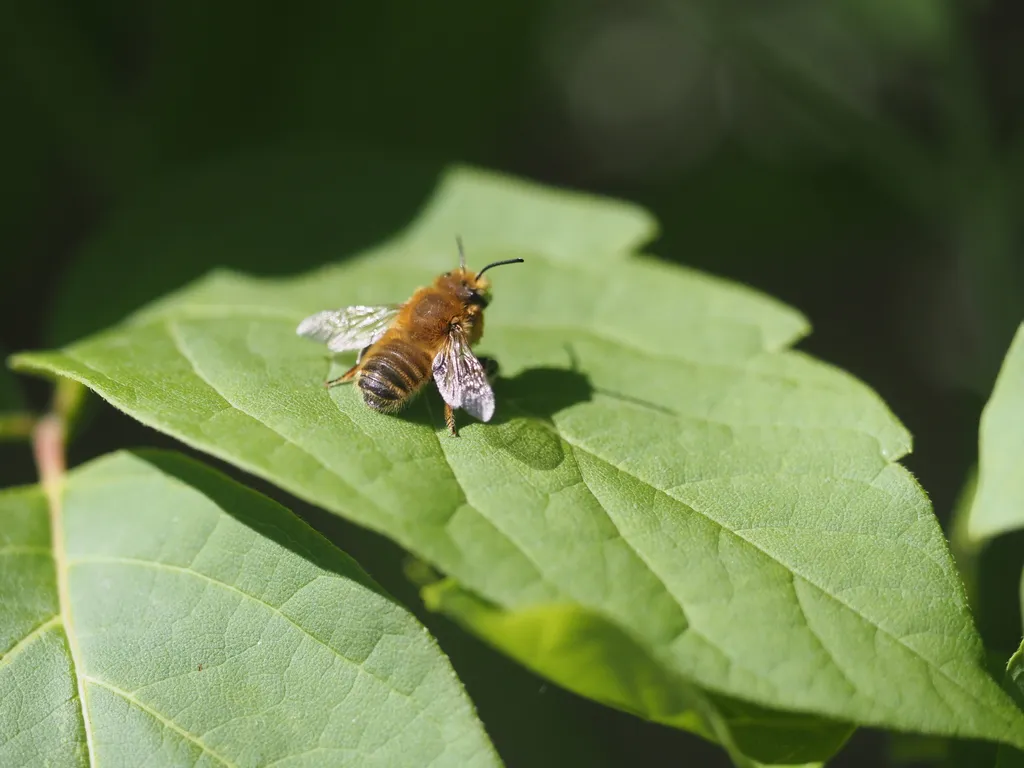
(29, 362)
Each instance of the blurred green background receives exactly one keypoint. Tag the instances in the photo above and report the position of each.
(862, 160)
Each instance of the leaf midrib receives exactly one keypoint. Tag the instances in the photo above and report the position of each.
(54, 487)
(54, 490)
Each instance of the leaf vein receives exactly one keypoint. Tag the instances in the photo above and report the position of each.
(540, 577)
(817, 637)
(163, 719)
(27, 640)
(13, 550)
(246, 595)
(771, 556)
(173, 334)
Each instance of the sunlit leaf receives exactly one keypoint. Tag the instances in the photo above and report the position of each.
(164, 615)
(659, 460)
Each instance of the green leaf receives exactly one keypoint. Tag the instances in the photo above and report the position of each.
(915, 26)
(998, 505)
(659, 459)
(1014, 682)
(506, 214)
(1015, 675)
(164, 615)
(585, 652)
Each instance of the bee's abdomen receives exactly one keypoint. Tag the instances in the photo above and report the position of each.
(393, 375)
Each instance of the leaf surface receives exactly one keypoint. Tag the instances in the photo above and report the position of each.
(998, 505)
(659, 459)
(164, 615)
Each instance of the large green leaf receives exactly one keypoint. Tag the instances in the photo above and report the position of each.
(659, 462)
(164, 615)
(998, 504)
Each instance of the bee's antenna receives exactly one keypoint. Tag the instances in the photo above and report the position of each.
(462, 253)
(498, 264)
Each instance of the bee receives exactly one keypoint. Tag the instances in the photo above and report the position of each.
(403, 346)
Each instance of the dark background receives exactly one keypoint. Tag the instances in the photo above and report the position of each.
(862, 160)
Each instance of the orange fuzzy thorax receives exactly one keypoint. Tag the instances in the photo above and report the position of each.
(427, 317)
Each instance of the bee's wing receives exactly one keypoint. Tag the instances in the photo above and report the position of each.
(461, 379)
(349, 328)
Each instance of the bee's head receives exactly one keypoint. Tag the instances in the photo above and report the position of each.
(474, 289)
(468, 287)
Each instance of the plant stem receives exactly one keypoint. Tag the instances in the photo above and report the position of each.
(48, 449)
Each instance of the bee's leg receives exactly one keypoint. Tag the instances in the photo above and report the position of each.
(490, 366)
(350, 374)
(345, 378)
(449, 419)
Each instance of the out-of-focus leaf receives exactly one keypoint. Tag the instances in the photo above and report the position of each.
(10, 395)
(586, 653)
(15, 422)
(273, 213)
(444, 76)
(659, 459)
(1008, 756)
(911, 27)
(912, 749)
(530, 722)
(1015, 675)
(161, 614)
(998, 504)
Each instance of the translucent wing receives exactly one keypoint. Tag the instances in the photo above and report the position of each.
(349, 328)
(461, 378)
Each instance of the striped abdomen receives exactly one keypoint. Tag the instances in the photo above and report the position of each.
(393, 374)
